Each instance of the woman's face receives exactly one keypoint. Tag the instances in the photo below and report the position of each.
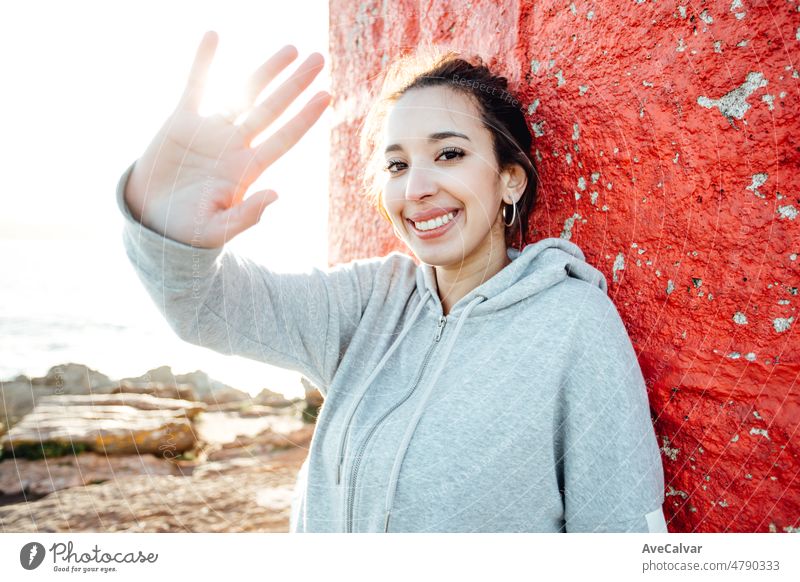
(440, 166)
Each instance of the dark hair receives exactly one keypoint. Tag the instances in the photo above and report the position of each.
(500, 114)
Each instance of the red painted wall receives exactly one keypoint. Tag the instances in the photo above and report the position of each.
(667, 140)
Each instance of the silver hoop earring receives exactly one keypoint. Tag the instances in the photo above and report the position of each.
(514, 215)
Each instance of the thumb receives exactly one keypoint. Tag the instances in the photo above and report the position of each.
(248, 212)
(238, 218)
(258, 202)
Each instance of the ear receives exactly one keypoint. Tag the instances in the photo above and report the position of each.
(515, 180)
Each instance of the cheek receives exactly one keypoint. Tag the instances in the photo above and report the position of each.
(392, 198)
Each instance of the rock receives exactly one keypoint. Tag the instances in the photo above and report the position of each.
(112, 424)
(270, 398)
(20, 396)
(204, 387)
(226, 395)
(237, 496)
(141, 401)
(157, 389)
(257, 410)
(74, 379)
(313, 395)
(264, 443)
(39, 478)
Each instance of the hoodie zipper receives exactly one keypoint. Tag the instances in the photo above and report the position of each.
(362, 448)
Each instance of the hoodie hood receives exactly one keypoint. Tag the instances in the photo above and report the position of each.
(536, 268)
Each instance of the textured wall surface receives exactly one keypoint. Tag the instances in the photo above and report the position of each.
(667, 139)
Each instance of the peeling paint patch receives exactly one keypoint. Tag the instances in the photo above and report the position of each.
(533, 107)
(757, 415)
(582, 183)
(706, 17)
(781, 324)
(576, 132)
(735, 438)
(787, 211)
(595, 177)
(758, 181)
(568, 158)
(670, 286)
(535, 66)
(734, 103)
(672, 454)
(573, 9)
(582, 89)
(560, 77)
(769, 100)
(682, 10)
(742, 43)
(566, 232)
(734, 355)
(619, 265)
(736, 5)
(681, 47)
(723, 503)
(673, 492)
(593, 196)
(759, 431)
(750, 357)
(718, 46)
(538, 128)
(740, 318)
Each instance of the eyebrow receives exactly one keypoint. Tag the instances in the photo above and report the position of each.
(438, 136)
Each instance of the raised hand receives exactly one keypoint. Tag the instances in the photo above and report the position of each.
(189, 184)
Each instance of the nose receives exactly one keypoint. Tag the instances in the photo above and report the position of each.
(421, 182)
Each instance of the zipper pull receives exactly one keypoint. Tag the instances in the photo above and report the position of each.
(442, 322)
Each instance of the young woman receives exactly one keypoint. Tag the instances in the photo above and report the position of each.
(487, 389)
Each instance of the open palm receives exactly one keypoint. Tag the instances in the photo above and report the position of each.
(190, 183)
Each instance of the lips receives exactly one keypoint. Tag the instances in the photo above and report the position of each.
(428, 214)
(439, 230)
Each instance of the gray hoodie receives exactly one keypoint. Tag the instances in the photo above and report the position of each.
(522, 410)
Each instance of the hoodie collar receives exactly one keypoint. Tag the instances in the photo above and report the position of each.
(536, 268)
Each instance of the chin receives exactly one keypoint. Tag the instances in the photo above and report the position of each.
(439, 257)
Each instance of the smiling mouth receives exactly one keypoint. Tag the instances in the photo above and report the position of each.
(438, 230)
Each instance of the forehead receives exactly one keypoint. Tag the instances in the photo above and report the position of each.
(421, 112)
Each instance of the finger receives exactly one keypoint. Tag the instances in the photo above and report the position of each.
(264, 74)
(272, 107)
(193, 93)
(247, 213)
(282, 140)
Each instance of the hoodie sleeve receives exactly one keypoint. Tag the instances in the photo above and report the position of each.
(233, 305)
(613, 478)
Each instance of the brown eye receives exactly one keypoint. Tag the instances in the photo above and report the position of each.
(454, 152)
(390, 165)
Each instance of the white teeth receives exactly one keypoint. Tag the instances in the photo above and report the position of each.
(434, 222)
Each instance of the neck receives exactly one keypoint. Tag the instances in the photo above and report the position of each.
(455, 281)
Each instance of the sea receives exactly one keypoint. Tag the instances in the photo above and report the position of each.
(80, 301)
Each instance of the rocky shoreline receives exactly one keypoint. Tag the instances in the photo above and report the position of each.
(155, 453)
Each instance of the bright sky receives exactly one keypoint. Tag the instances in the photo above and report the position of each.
(86, 86)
